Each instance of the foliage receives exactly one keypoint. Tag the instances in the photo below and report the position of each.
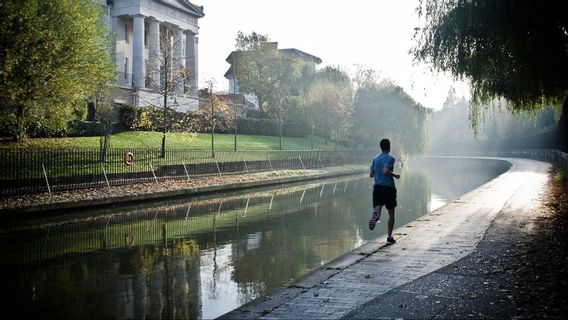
(261, 71)
(329, 104)
(509, 49)
(54, 54)
(216, 114)
(386, 111)
(105, 116)
(449, 126)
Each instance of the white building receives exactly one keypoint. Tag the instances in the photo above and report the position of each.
(138, 27)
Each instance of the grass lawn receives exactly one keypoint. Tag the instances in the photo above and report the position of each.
(151, 139)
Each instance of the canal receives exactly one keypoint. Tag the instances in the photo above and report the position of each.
(199, 258)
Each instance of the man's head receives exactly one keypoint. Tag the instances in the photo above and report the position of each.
(385, 145)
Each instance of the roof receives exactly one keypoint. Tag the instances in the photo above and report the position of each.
(287, 52)
(186, 6)
(300, 54)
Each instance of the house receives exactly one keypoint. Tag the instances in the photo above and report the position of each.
(307, 59)
(139, 30)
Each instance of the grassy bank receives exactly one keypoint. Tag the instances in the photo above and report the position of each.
(152, 139)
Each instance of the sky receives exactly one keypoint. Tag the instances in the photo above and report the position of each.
(373, 33)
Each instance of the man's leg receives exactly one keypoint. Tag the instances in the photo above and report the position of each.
(375, 217)
(378, 210)
(390, 223)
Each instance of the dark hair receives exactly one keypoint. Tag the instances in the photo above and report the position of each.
(385, 145)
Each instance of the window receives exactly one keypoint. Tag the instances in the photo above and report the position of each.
(125, 68)
(126, 33)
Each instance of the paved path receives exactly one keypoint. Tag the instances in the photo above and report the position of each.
(346, 285)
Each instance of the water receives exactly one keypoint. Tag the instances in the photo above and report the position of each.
(202, 257)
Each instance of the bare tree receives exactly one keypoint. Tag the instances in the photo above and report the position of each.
(215, 114)
(105, 117)
(167, 76)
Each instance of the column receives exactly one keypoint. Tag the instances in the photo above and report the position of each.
(138, 74)
(178, 60)
(191, 61)
(154, 52)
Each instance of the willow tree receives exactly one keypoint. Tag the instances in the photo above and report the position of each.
(54, 54)
(512, 50)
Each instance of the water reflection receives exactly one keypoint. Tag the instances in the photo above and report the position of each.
(201, 257)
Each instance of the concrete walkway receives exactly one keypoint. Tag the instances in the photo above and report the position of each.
(344, 286)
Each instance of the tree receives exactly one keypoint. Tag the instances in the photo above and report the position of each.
(329, 102)
(167, 76)
(261, 69)
(385, 110)
(215, 114)
(510, 49)
(54, 53)
(105, 117)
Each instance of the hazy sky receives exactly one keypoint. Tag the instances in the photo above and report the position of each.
(373, 33)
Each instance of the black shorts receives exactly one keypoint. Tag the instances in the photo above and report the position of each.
(384, 196)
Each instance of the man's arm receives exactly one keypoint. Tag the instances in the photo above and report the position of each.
(387, 172)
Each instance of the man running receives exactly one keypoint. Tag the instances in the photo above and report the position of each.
(384, 190)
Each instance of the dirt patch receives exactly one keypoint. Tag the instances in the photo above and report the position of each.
(19, 201)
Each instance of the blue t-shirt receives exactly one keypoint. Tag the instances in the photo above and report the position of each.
(381, 161)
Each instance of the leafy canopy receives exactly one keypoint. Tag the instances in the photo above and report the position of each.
(385, 111)
(54, 54)
(262, 71)
(511, 49)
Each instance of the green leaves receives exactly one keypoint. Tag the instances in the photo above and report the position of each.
(56, 52)
(511, 49)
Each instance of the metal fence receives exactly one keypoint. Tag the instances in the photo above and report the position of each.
(556, 157)
(47, 170)
(553, 156)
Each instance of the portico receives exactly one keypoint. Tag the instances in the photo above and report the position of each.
(141, 30)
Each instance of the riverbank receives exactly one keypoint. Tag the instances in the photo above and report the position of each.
(498, 251)
(22, 206)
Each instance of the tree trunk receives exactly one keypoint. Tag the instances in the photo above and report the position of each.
(20, 131)
(213, 141)
(104, 142)
(562, 126)
(312, 137)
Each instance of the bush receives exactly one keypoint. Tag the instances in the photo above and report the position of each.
(127, 116)
(83, 129)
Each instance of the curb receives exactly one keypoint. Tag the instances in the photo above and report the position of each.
(51, 209)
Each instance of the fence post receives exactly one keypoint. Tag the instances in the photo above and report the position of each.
(105, 174)
(185, 169)
(270, 163)
(302, 162)
(152, 168)
(187, 213)
(246, 165)
(246, 207)
(218, 169)
(46, 180)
